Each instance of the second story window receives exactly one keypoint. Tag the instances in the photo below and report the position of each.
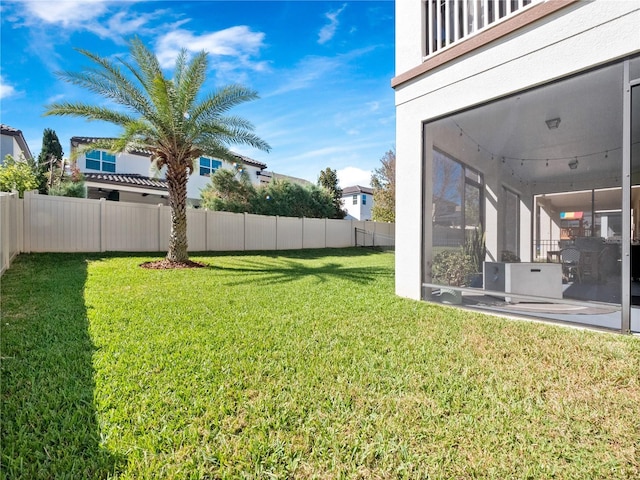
(355, 199)
(364, 199)
(208, 166)
(102, 161)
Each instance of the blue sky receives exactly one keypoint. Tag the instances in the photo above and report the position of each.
(322, 70)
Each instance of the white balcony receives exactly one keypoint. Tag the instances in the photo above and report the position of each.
(457, 20)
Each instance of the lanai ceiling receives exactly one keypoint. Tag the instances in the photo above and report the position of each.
(590, 109)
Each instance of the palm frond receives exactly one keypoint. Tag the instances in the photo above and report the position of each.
(160, 93)
(231, 135)
(212, 148)
(136, 136)
(181, 64)
(148, 66)
(229, 121)
(222, 101)
(100, 144)
(109, 81)
(242, 137)
(90, 112)
(191, 80)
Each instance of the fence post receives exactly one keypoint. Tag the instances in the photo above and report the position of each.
(103, 227)
(325, 232)
(5, 222)
(159, 227)
(354, 240)
(244, 235)
(206, 230)
(26, 221)
(19, 213)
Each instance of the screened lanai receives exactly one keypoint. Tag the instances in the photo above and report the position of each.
(531, 206)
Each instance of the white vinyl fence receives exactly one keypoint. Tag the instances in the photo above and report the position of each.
(11, 217)
(42, 223)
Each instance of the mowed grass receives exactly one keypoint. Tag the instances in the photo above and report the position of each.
(296, 365)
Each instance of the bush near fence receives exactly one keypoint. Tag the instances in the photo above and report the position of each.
(42, 223)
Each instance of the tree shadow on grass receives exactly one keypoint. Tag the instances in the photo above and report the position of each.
(284, 270)
(49, 423)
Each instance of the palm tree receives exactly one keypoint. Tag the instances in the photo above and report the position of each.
(170, 118)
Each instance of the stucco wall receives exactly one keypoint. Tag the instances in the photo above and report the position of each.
(129, 163)
(579, 37)
(9, 146)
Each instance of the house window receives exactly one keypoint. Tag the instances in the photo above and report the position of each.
(99, 160)
(364, 199)
(355, 199)
(457, 201)
(208, 166)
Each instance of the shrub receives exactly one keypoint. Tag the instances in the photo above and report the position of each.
(452, 267)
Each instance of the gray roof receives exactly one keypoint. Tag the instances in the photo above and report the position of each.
(126, 179)
(75, 141)
(269, 176)
(17, 134)
(356, 189)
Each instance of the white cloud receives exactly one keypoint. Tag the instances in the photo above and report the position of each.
(6, 90)
(124, 24)
(66, 13)
(56, 98)
(327, 32)
(108, 19)
(239, 43)
(306, 73)
(350, 176)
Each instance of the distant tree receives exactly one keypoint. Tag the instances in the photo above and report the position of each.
(229, 191)
(328, 180)
(50, 154)
(288, 199)
(383, 182)
(16, 175)
(68, 183)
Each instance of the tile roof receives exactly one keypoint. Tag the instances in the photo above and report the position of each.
(88, 140)
(267, 176)
(75, 141)
(126, 179)
(7, 130)
(356, 189)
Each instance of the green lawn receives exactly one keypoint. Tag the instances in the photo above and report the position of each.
(295, 365)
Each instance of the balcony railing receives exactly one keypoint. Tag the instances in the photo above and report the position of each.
(450, 21)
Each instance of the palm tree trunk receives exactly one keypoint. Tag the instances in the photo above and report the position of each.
(177, 185)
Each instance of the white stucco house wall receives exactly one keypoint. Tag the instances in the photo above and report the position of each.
(127, 176)
(358, 202)
(12, 143)
(529, 103)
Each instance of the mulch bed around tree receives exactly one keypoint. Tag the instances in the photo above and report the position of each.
(168, 264)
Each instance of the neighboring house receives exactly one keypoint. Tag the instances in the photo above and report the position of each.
(127, 176)
(267, 177)
(358, 202)
(518, 114)
(13, 143)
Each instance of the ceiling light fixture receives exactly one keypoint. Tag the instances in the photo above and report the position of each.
(573, 164)
(552, 123)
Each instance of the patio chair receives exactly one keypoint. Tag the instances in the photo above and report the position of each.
(571, 266)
